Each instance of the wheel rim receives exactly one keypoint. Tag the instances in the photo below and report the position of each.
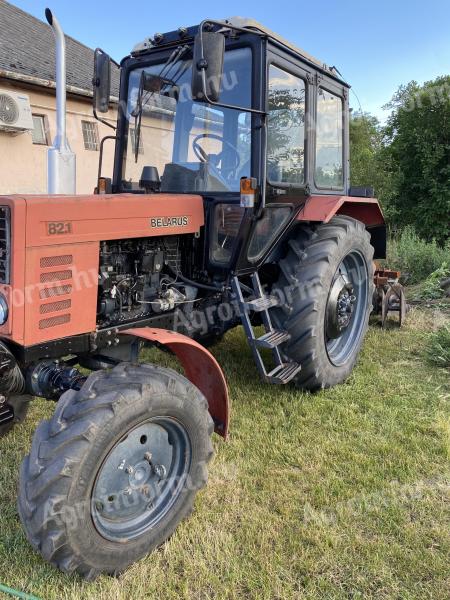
(346, 308)
(141, 479)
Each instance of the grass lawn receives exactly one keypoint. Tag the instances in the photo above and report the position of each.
(341, 494)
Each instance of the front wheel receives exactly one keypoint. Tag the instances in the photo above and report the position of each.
(115, 470)
(326, 283)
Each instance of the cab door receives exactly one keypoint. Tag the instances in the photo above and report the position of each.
(284, 158)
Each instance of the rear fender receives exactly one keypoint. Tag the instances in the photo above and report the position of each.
(322, 209)
(201, 368)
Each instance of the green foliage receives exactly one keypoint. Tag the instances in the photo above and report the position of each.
(417, 142)
(431, 288)
(370, 160)
(365, 143)
(408, 160)
(438, 347)
(414, 257)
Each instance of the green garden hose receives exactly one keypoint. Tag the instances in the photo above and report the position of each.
(16, 594)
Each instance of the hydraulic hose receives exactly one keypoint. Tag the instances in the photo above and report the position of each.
(201, 286)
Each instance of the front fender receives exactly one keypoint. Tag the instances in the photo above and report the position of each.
(201, 368)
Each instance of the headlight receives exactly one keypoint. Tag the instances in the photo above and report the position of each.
(3, 310)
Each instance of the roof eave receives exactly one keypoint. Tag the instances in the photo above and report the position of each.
(47, 84)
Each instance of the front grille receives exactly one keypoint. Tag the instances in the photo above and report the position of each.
(5, 244)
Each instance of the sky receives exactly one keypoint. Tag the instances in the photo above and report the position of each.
(377, 45)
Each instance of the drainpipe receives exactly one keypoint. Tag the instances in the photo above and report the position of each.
(61, 161)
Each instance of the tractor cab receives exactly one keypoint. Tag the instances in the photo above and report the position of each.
(230, 111)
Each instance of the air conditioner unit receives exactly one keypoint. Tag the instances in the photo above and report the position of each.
(15, 112)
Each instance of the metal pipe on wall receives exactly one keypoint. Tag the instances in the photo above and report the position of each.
(61, 161)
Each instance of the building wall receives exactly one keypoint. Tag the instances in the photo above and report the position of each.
(23, 165)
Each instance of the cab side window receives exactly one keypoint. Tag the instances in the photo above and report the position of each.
(329, 140)
(286, 128)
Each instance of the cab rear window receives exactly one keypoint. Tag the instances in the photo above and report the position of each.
(329, 140)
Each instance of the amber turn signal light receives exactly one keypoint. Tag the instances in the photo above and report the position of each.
(104, 185)
(249, 186)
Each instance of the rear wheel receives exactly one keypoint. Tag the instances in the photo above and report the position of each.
(115, 470)
(326, 282)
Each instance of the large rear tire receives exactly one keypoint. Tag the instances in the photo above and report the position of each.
(115, 470)
(326, 284)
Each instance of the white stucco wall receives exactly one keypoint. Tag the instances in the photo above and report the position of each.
(23, 165)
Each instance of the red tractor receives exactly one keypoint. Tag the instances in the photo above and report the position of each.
(229, 205)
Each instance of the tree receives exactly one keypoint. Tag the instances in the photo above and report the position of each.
(365, 138)
(417, 143)
(370, 160)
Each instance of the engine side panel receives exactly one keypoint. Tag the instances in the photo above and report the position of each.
(55, 249)
(71, 219)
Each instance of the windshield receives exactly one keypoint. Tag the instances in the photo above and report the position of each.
(194, 146)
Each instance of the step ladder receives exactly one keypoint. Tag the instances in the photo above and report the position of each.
(283, 372)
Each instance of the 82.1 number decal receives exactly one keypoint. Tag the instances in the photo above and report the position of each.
(59, 227)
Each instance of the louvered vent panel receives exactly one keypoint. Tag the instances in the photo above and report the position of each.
(55, 306)
(56, 261)
(5, 244)
(59, 290)
(56, 276)
(59, 283)
(53, 321)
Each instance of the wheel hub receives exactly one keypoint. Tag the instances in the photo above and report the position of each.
(141, 473)
(340, 306)
(140, 479)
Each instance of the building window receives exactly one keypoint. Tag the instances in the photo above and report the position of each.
(40, 133)
(133, 141)
(90, 135)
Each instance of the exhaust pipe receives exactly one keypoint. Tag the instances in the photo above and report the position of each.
(61, 161)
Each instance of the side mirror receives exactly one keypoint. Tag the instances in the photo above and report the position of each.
(207, 66)
(102, 81)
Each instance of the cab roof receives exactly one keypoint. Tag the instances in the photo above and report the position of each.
(247, 23)
(242, 23)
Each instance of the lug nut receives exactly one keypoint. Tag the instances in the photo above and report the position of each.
(160, 471)
(129, 470)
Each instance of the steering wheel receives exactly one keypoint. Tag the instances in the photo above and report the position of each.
(214, 159)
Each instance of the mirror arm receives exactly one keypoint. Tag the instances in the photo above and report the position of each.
(100, 120)
(226, 25)
(100, 158)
